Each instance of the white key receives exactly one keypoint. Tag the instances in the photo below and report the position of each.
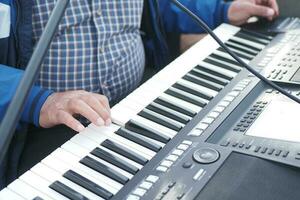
(103, 130)
(248, 42)
(226, 55)
(70, 159)
(242, 53)
(41, 184)
(122, 115)
(197, 87)
(7, 194)
(162, 129)
(241, 47)
(52, 176)
(80, 152)
(25, 190)
(103, 135)
(62, 167)
(218, 69)
(183, 104)
(160, 116)
(171, 110)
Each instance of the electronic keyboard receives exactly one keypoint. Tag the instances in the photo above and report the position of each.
(166, 143)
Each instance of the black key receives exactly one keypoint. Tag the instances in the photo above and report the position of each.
(136, 127)
(251, 38)
(87, 184)
(67, 191)
(38, 198)
(179, 95)
(245, 45)
(120, 149)
(209, 77)
(177, 108)
(237, 53)
(192, 91)
(110, 158)
(203, 82)
(257, 34)
(231, 68)
(148, 114)
(137, 138)
(231, 61)
(103, 169)
(247, 51)
(216, 73)
(168, 113)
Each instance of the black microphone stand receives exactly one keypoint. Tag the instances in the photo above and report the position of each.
(14, 111)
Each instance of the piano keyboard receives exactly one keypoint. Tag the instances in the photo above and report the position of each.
(98, 162)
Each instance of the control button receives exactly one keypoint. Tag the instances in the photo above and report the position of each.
(172, 158)
(285, 154)
(165, 191)
(146, 185)
(225, 143)
(213, 114)
(139, 192)
(199, 174)
(219, 109)
(187, 165)
(167, 163)
(234, 93)
(202, 126)
(187, 142)
(152, 178)
(271, 151)
(177, 152)
(229, 98)
(278, 152)
(207, 120)
(196, 133)
(235, 144)
(224, 103)
(264, 150)
(133, 197)
(171, 184)
(180, 196)
(257, 148)
(248, 146)
(183, 147)
(162, 169)
(242, 145)
(206, 155)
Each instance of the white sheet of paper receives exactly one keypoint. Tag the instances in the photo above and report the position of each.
(4, 20)
(280, 120)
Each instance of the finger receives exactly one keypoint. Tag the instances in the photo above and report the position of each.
(67, 119)
(104, 101)
(262, 11)
(273, 4)
(95, 104)
(77, 106)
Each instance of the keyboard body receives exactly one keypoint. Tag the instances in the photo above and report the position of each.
(187, 133)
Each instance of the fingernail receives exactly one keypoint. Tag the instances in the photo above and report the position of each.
(100, 122)
(80, 128)
(270, 12)
(108, 122)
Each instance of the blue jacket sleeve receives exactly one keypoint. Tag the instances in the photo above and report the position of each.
(213, 12)
(9, 80)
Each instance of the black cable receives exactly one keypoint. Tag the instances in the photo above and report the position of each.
(241, 62)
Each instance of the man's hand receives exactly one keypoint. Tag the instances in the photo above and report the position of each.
(241, 10)
(60, 108)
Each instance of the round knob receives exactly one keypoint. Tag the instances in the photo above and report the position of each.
(206, 155)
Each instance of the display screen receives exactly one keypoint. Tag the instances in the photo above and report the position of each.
(280, 120)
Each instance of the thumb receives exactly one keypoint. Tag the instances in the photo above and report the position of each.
(261, 11)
